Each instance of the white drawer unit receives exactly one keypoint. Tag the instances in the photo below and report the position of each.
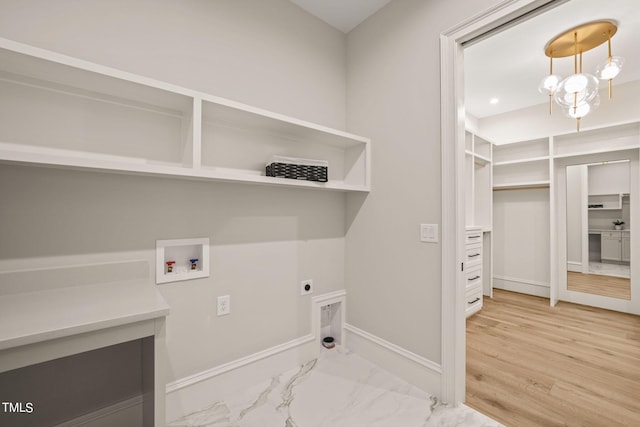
(473, 269)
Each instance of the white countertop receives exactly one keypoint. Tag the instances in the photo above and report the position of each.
(31, 317)
(606, 230)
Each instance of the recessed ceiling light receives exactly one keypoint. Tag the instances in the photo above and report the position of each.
(494, 101)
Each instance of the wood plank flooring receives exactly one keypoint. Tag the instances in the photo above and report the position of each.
(532, 365)
(608, 286)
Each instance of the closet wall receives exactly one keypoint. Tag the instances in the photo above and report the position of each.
(521, 231)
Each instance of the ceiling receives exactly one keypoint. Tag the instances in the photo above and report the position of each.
(510, 65)
(344, 15)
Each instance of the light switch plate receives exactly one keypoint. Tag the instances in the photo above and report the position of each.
(429, 233)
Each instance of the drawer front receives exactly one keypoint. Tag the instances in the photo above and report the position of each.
(473, 237)
(612, 234)
(474, 278)
(474, 254)
(473, 300)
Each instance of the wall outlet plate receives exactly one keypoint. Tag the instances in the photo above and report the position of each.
(224, 305)
(306, 287)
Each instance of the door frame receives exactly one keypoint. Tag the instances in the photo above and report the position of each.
(452, 125)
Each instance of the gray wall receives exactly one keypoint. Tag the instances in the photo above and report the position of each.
(263, 240)
(394, 280)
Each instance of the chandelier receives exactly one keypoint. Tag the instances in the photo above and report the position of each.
(577, 94)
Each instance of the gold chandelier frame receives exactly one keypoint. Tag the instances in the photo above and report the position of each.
(580, 39)
(574, 42)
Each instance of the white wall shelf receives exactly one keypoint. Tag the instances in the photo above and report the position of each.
(189, 259)
(527, 160)
(64, 112)
(606, 202)
(482, 159)
(522, 185)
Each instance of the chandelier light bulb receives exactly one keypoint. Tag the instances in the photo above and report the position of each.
(582, 109)
(549, 84)
(576, 89)
(579, 111)
(610, 68)
(575, 83)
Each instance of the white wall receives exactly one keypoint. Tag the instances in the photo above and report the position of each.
(521, 220)
(394, 280)
(263, 240)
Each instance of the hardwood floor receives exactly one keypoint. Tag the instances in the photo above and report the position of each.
(532, 365)
(608, 286)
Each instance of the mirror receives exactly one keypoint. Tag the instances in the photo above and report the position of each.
(598, 229)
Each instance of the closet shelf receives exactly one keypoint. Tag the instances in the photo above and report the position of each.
(482, 158)
(525, 160)
(65, 112)
(522, 185)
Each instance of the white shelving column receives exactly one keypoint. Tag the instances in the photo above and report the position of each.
(479, 208)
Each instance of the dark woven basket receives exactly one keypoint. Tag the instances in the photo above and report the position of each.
(293, 171)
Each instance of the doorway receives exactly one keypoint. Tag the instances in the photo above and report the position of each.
(453, 44)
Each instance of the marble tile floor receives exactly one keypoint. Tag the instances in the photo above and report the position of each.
(609, 269)
(339, 389)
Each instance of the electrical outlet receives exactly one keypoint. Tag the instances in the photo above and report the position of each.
(306, 287)
(224, 305)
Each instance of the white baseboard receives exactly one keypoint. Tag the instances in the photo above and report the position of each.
(522, 286)
(125, 413)
(413, 368)
(198, 391)
(574, 266)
